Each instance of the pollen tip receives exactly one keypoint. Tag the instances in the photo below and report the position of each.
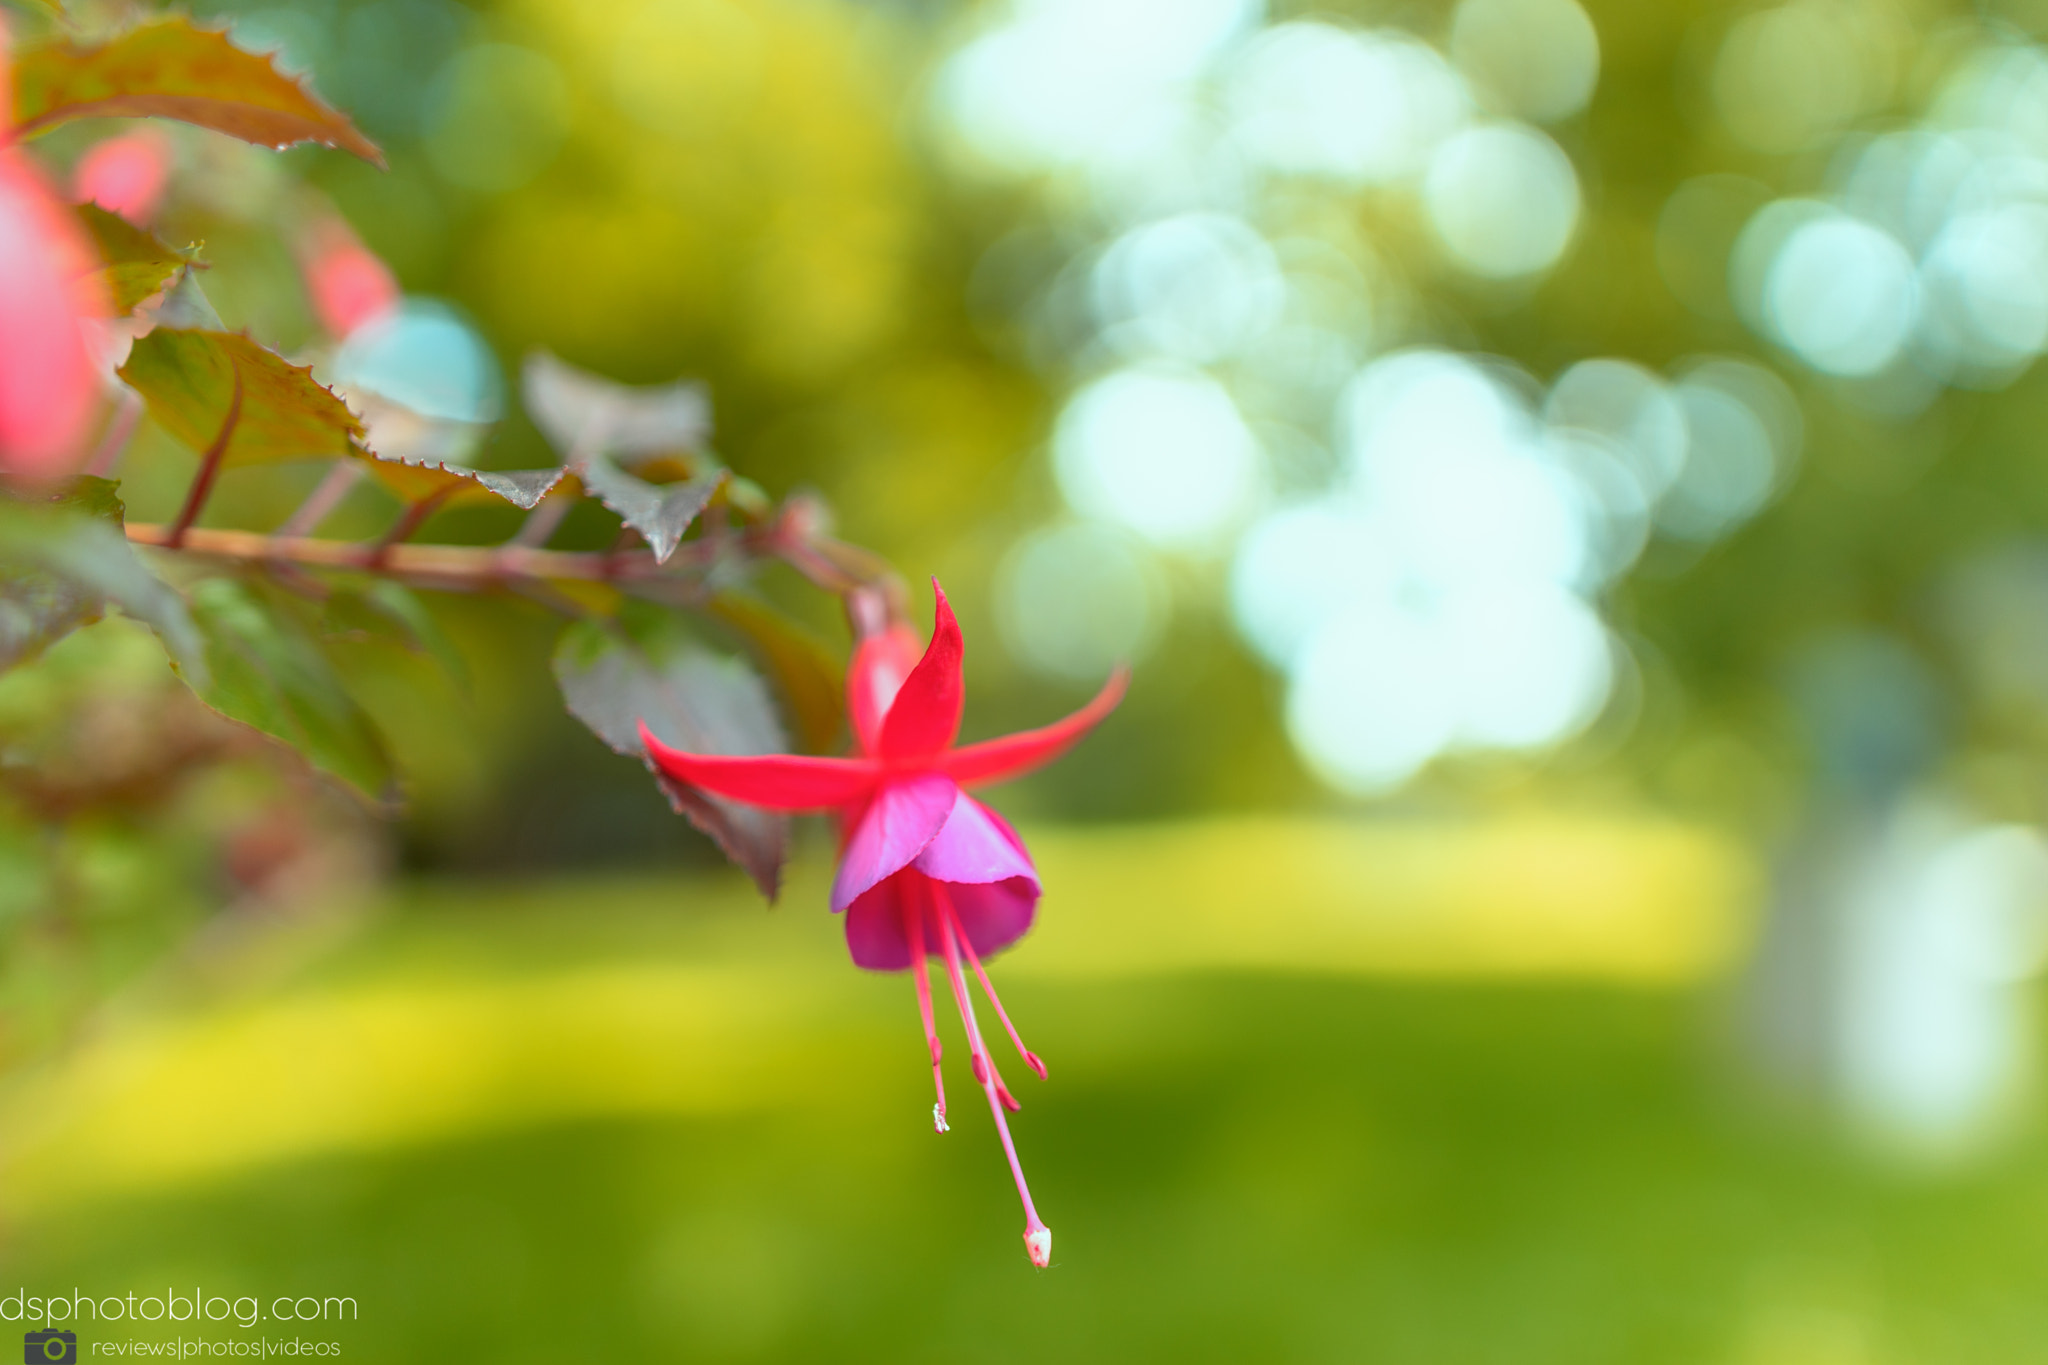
(980, 1072)
(1038, 1243)
(1010, 1102)
(937, 1052)
(1031, 1060)
(939, 1119)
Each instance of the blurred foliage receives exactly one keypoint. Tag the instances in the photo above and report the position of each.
(130, 815)
(738, 192)
(261, 647)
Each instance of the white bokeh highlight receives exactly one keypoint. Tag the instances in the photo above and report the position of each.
(1946, 922)
(1197, 287)
(1842, 294)
(1077, 598)
(1312, 99)
(1922, 261)
(1162, 450)
(1444, 597)
(1503, 199)
(1419, 540)
(1535, 59)
(1070, 82)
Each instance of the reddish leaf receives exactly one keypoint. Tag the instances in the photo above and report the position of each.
(659, 512)
(416, 480)
(188, 378)
(691, 698)
(604, 430)
(172, 68)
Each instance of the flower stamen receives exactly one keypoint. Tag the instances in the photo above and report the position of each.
(988, 989)
(1037, 1237)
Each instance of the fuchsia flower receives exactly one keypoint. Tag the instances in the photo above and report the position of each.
(924, 869)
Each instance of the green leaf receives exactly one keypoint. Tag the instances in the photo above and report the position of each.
(63, 560)
(812, 684)
(583, 413)
(137, 265)
(690, 698)
(171, 68)
(268, 673)
(379, 609)
(188, 378)
(96, 497)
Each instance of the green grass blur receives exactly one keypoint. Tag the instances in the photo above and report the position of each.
(1238, 1165)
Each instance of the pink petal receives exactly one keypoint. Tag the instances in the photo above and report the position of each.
(925, 716)
(995, 914)
(49, 381)
(976, 846)
(880, 664)
(904, 816)
(875, 934)
(776, 781)
(999, 760)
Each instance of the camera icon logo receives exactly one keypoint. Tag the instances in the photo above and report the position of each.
(50, 1348)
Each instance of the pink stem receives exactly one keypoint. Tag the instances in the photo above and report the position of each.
(1037, 1237)
(127, 412)
(410, 520)
(323, 500)
(209, 468)
(620, 544)
(541, 522)
(913, 918)
(979, 1055)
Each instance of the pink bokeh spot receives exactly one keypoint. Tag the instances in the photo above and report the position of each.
(49, 293)
(348, 285)
(125, 175)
